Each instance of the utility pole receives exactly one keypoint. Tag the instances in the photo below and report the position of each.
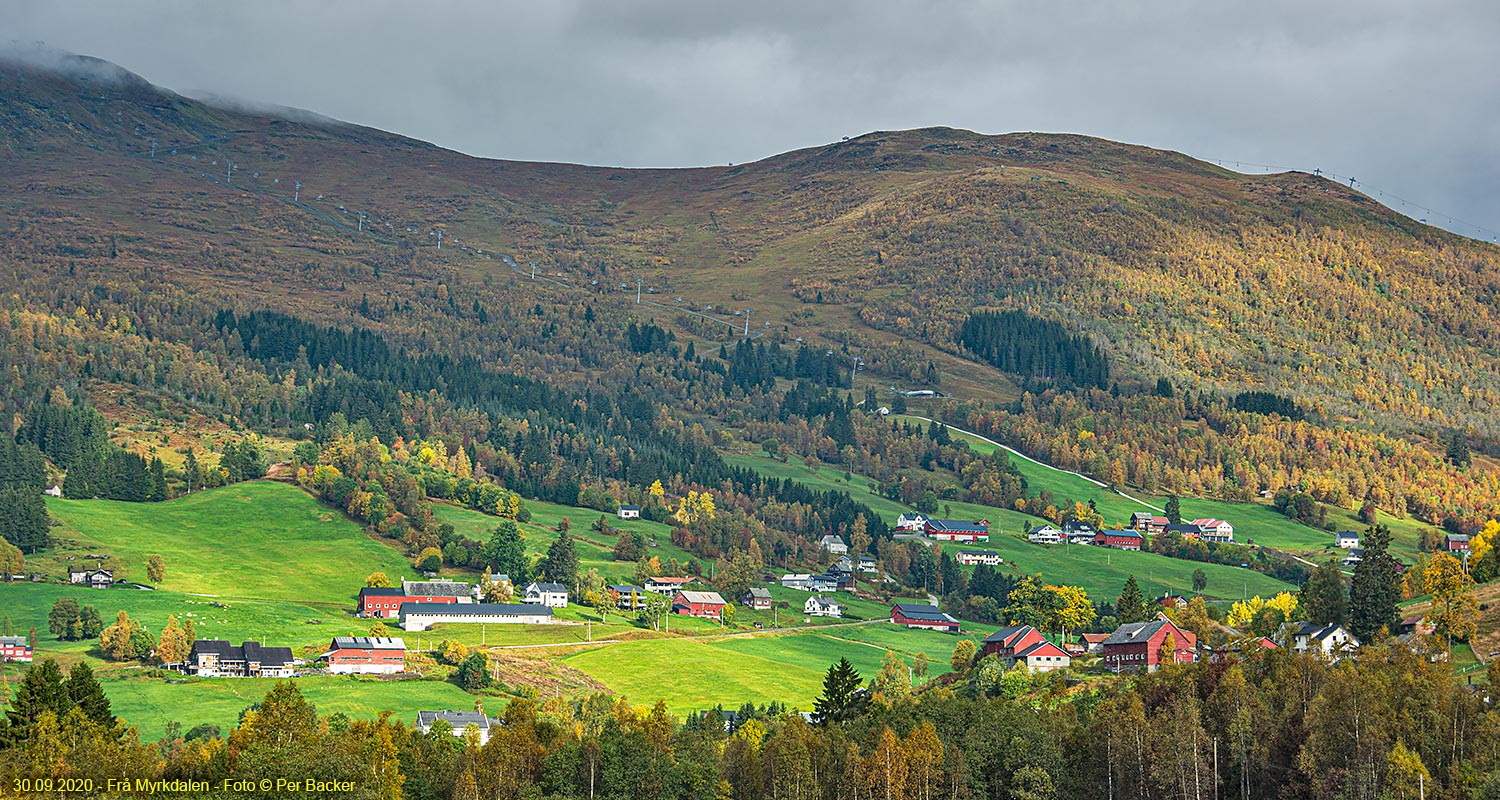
(638, 284)
(228, 172)
(153, 147)
(747, 322)
(296, 191)
(361, 223)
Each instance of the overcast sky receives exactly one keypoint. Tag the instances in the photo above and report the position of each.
(1401, 94)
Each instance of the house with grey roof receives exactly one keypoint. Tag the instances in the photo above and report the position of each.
(458, 722)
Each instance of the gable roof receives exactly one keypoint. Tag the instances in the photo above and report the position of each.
(458, 719)
(822, 600)
(436, 588)
(958, 525)
(624, 588)
(706, 598)
(760, 591)
(1042, 648)
(248, 652)
(672, 581)
(380, 591)
(368, 643)
(550, 588)
(1122, 533)
(630, 508)
(1135, 632)
(1005, 633)
(922, 611)
(476, 609)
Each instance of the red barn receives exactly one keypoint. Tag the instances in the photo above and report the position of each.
(373, 655)
(708, 605)
(957, 530)
(386, 602)
(1143, 646)
(1456, 543)
(921, 615)
(1123, 540)
(15, 648)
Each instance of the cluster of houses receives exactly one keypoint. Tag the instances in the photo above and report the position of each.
(96, 578)
(1142, 525)
(951, 530)
(1147, 646)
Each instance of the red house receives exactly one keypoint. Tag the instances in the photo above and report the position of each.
(1023, 644)
(15, 648)
(957, 530)
(708, 605)
(1123, 540)
(386, 601)
(1143, 646)
(371, 655)
(921, 615)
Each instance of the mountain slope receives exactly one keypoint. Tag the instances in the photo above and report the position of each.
(877, 247)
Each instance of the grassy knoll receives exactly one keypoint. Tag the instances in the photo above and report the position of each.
(259, 539)
(150, 703)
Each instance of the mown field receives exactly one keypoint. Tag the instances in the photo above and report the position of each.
(149, 704)
(260, 539)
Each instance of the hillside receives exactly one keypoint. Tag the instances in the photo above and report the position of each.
(1381, 329)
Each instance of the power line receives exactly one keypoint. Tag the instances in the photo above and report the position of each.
(1387, 199)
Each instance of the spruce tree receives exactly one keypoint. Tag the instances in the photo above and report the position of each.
(1131, 605)
(1324, 598)
(841, 700)
(1376, 588)
(85, 692)
(1458, 449)
(561, 565)
(41, 690)
(1174, 510)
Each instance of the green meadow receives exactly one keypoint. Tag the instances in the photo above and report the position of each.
(150, 703)
(260, 539)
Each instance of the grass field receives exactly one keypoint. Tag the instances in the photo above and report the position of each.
(260, 539)
(149, 703)
(1099, 571)
(692, 674)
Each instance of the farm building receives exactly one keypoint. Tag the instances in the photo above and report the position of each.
(214, 658)
(1232, 650)
(1456, 543)
(478, 593)
(707, 605)
(1346, 540)
(911, 522)
(922, 615)
(551, 595)
(421, 616)
(1172, 601)
(626, 596)
(1215, 530)
(667, 586)
(1093, 643)
(385, 602)
(1123, 540)
(367, 655)
(92, 578)
(797, 580)
(628, 512)
(957, 530)
(1025, 645)
(988, 557)
(1044, 534)
(15, 648)
(758, 598)
(1144, 646)
(822, 606)
(1149, 524)
(458, 721)
(832, 544)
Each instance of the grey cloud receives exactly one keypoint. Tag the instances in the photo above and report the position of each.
(1399, 94)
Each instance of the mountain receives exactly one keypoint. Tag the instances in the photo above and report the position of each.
(1379, 329)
